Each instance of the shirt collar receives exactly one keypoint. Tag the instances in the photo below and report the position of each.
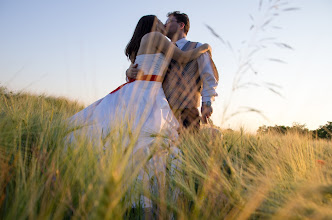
(180, 43)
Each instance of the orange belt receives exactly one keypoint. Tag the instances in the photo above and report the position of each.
(154, 78)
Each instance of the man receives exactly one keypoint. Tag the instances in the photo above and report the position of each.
(183, 85)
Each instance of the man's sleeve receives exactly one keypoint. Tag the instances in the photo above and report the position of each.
(209, 76)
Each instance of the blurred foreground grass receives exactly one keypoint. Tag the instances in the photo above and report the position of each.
(239, 176)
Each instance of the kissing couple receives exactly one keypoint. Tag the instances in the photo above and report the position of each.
(165, 82)
(164, 85)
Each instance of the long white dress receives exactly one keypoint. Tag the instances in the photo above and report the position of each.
(140, 107)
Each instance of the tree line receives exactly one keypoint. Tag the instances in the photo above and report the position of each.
(323, 132)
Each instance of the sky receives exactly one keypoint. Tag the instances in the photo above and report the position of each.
(75, 49)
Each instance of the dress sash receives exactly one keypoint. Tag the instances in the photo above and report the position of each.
(154, 78)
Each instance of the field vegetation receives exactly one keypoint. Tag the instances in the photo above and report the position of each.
(279, 173)
(233, 176)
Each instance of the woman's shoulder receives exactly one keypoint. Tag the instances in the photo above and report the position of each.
(150, 43)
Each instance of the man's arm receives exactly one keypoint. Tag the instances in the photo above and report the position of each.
(132, 72)
(210, 79)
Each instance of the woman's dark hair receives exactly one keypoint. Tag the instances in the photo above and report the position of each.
(143, 27)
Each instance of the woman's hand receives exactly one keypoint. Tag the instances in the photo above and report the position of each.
(207, 47)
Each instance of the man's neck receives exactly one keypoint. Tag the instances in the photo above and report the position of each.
(175, 39)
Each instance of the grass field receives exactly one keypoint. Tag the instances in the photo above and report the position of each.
(238, 176)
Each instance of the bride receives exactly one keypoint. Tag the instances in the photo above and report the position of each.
(138, 107)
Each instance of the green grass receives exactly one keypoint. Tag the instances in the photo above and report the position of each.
(239, 176)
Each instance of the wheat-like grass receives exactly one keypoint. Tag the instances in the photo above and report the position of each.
(234, 176)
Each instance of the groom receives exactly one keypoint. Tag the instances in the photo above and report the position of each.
(183, 85)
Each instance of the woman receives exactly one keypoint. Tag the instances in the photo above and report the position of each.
(140, 106)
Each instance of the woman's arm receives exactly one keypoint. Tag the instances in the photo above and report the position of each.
(180, 56)
(163, 45)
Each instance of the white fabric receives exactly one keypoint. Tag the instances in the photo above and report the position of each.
(210, 83)
(140, 106)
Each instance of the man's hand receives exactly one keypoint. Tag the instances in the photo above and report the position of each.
(206, 113)
(133, 71)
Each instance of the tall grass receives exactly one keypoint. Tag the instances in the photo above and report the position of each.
(237, 176)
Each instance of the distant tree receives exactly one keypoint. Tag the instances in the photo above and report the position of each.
(324, 131)
(262, 129)
(281, 129)
(299, 128)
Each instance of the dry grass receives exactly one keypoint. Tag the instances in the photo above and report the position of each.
(239, 176)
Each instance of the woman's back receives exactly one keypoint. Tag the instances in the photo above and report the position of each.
(152, 64)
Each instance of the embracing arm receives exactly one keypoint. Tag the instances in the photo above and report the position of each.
(170, 50)
(180, 56)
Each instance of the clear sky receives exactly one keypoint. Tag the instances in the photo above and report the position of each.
(75, 48)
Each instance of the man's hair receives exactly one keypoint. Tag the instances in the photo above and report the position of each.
(181, 17)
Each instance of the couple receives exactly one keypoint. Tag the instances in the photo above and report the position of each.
(163, 89)
(161, 96)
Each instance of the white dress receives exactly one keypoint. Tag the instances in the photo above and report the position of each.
(140, 107)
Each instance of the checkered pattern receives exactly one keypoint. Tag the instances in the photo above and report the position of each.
(182, 84)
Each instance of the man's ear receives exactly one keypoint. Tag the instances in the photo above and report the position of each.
(181, 25)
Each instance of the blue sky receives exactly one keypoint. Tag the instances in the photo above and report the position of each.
(76, 49)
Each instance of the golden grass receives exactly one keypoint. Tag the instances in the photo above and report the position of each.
(237, 176)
